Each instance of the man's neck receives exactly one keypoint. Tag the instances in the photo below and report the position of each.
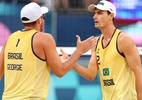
(108, 32)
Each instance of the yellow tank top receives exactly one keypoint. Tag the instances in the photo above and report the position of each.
(26, 75)
(117, 79)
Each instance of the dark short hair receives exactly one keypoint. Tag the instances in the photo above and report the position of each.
(26, 19)
(110, 13)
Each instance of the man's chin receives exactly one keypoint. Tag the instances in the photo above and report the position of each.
(96, 26)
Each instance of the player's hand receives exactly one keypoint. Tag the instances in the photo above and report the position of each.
(64, 56)
(84, 46)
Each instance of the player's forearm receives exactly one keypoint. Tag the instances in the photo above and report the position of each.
(69, 63)
(84, 72)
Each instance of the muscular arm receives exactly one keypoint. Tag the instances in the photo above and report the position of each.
(91, 71)
(127, 46)
(58, 67)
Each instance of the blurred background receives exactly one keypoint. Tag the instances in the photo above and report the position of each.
(65, 19)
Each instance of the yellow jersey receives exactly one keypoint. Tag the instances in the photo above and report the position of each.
(116, 78)
(26, 75)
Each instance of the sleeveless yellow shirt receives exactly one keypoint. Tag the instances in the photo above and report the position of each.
(116, 77)
(26, 75)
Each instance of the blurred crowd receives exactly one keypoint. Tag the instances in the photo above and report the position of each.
(57, 4)
(70, 4)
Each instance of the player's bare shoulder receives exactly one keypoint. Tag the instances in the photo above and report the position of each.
(124, 41)
(44, 37)
(124, 38)
(43, 42)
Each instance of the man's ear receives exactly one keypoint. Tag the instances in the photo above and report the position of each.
(39, 21)
(112, 15)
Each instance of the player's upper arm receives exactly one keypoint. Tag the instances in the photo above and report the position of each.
(52, 57)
